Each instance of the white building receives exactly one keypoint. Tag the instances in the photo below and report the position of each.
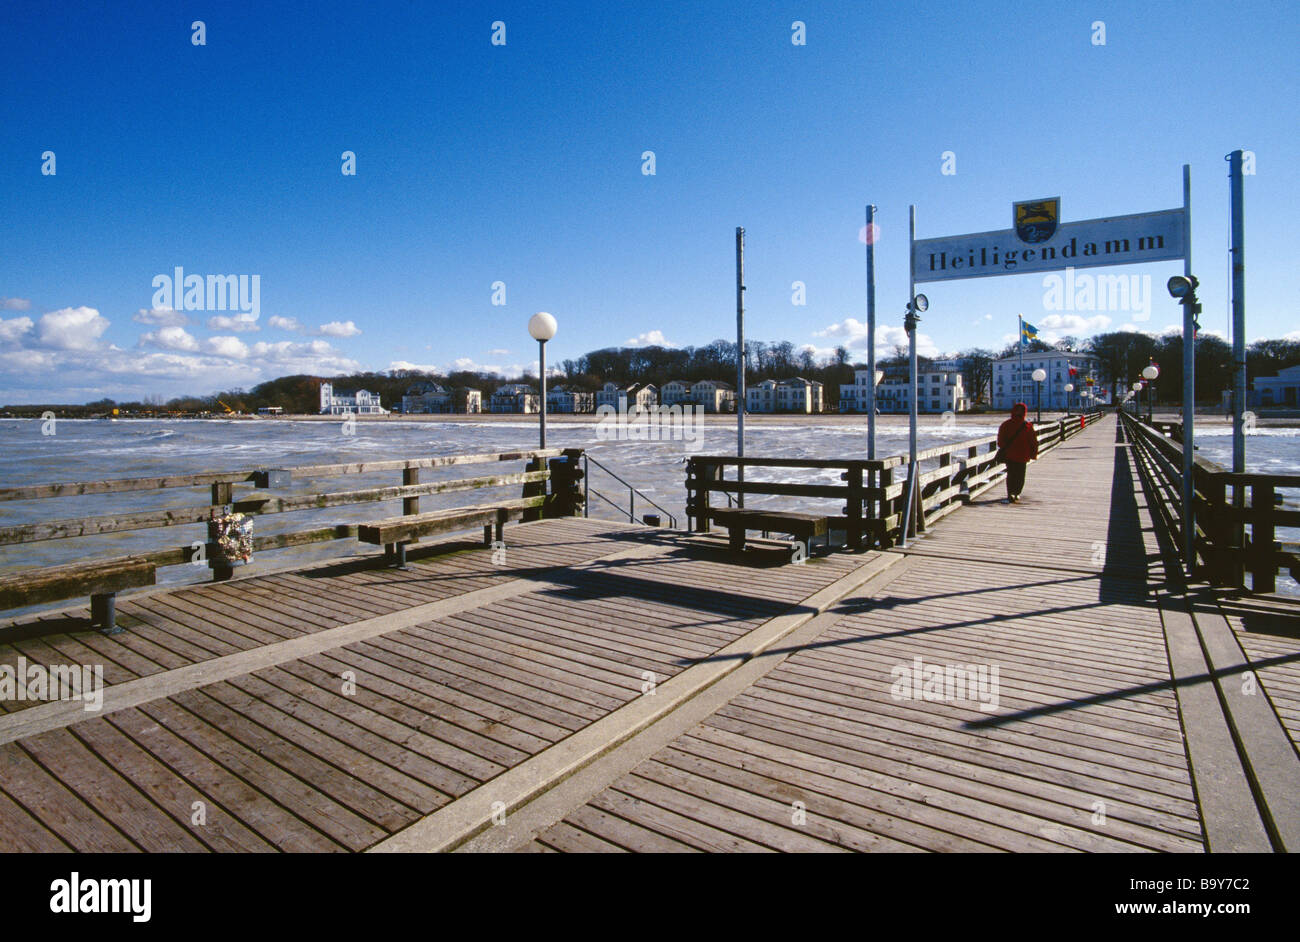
(564, 400)
(627, 399)
(1280, 390)
(359, 403)
(515, 397)
(1011, 385)
(675, 392)
(787, 395)
(936, 392)
(434, 398)
(714, 395)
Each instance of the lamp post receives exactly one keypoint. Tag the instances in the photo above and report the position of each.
(1039, 376)
(1137, 398)
(916, 305)
(1069, 388)
(542, 326)
(1150, 371)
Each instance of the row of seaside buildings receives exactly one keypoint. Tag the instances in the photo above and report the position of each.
(941, 389)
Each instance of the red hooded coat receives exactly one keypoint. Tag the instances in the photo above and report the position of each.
(1024, 447)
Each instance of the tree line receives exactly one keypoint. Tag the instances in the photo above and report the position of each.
(1121, 355)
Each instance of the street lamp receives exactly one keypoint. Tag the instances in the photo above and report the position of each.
(1069, 388)
(1038, 376)
(1150, 371)
(1137, 398)
(542, 326)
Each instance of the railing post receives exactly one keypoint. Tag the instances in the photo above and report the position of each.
(410, 505)
(533, 489)
(1263, 571)
(223, 493)
(854, 508)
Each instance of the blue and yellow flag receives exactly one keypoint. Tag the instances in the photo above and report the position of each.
(1027, 331)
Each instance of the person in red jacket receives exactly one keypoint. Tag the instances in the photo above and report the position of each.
(1019, 444)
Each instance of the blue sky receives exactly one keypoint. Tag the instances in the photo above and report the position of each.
(522, 163)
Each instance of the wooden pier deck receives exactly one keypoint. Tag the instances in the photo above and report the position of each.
(605, 687)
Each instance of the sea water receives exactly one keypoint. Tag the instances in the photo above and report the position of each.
(90, 450)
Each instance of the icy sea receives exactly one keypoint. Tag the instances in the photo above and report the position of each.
(88, 450)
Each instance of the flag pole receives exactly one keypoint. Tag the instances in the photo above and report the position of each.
(1020, 346)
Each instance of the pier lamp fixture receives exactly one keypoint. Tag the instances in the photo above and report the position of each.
(1150, 371)
(915, 305)
(1038, 376)
(1136, 396)
(1069, 388)
(542, 326)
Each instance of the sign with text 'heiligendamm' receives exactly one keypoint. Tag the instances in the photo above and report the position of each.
(1117, 240)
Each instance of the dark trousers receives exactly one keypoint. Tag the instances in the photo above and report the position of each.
(1015, 477)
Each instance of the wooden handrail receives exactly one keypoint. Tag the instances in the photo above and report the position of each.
(206, 478)
(1236, 515)
(873, 492)
(554, 465)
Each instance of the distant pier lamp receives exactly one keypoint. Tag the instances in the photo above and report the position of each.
(1038, 377)
(1137, 398)
(1069, 388)
(1151, 371)
(542, 326)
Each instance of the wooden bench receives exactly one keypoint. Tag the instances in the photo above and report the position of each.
(100, 580)
(394, 533)
(803, 526)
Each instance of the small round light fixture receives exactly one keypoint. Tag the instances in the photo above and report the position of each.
(542, 326)
(1180, 286)
(1039, 375)
(1069, 387)
(920, 302)
(1151, 372)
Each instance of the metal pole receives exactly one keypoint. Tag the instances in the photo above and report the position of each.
(1020, 350)
(1189, 386)
(740, 360)
(541, 356)
(871, 333)
(911, 343)
(1238, 311)
(909, 323)
(1238, 256)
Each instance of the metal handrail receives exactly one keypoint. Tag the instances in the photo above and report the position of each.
(633, 493)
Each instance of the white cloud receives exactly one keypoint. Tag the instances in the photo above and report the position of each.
(227, 347)
(339, 329)
(499, 352)
(284, 323)
(15, 304)
(1294, 336)
(853, 334)
(239, 323)
(14, 328)
(72, 328)
(651, 338)
(160, 317)
(416, 367)
(1075, 323)
(170, 338)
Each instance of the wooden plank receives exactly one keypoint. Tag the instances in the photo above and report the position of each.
(307, 803)
(109, 792)
(65, 814)
(219, 831)
(55, 583)
(223, 789)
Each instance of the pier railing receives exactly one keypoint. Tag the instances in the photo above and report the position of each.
(1236, 516)
(874, 492)
(262, 492)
